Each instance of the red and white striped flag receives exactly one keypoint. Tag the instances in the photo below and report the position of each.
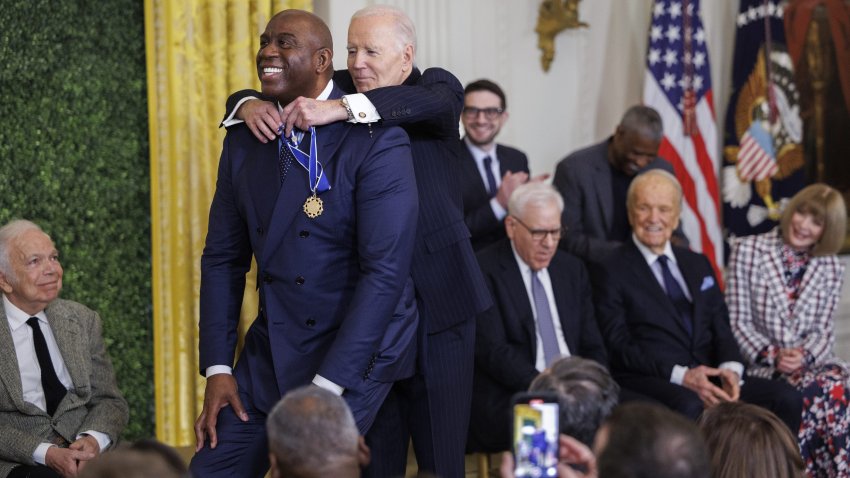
(678, 86)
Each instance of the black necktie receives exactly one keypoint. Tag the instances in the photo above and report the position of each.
(677, 296)
(491, 180)
(54, 391)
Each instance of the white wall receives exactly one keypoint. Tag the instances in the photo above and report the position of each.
(596, 74)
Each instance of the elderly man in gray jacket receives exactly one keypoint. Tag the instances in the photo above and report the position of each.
(59, 403)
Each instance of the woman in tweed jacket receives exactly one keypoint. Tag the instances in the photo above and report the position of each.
(783, 289)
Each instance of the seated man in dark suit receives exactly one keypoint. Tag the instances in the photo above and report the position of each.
(543, 311)
(594, 180)
(663, 317)
(59, 403)
(489, 171)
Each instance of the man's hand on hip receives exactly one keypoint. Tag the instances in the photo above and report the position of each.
(220, 392)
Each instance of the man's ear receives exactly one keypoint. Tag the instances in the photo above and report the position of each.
(324, 59)
(364, 454)
(407, 58)
(5, 286)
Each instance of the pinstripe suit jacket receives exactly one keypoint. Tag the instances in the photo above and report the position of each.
(759, 306)
(93, 404)
(483, 225)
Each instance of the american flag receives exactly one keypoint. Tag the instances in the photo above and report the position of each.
(678, 86)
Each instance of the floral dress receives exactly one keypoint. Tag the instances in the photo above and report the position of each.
(782, 298)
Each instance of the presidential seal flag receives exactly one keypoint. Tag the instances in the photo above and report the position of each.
(762, 155)
(678, 86)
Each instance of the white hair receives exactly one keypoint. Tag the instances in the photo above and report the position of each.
(403, 24)
(8, 233)
(537, 194)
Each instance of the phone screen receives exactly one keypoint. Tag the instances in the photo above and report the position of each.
(535, 437)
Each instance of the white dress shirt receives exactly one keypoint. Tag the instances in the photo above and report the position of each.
(479, 154)
(542, 274)
(677, 376)
(31, 372)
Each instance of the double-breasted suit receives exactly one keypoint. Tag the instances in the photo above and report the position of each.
(506, 343)
(94, 402)
(335, 295)
(483, 225)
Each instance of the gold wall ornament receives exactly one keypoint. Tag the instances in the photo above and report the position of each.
(554, 16)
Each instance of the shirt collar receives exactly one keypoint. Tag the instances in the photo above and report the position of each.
(325, 94)
(649, 256)
(18, 317)
(478, 153)
(524, 268)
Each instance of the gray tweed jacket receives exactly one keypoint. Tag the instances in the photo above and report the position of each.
(94, 403)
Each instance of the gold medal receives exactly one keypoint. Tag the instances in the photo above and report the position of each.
(313, 207)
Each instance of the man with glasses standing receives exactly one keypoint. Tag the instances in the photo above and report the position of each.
(489, 172)
(543, 310)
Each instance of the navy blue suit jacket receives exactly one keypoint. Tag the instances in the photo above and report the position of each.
(449, 285)
(478, 215)
(506, 343)
(642, 331)
(335, 294)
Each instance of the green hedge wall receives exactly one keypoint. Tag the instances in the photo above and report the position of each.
(74, 158)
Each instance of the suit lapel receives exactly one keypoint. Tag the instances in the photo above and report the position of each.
(560, 286)
(775, 274)
(644, 275)
(604, 194)
(473, 177)
(10, 373)
(66, 329)
(264, 175)
(295, 189)
(514, 283)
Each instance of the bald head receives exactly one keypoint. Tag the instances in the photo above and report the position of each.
(295, 56)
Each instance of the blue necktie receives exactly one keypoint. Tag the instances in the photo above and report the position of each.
(54, 391)
(544, 320)
(491, 180)
(284, 159)
(677, 296)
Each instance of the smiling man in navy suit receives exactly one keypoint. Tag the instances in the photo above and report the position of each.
(664, 319)
(331, 222)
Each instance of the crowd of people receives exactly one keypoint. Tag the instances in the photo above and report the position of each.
(416, 281)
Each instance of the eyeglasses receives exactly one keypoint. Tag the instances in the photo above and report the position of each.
(540, 234)
(471, 112)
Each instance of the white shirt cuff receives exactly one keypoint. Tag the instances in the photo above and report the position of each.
(322, 382)
(217, 369)
(40, 453)
(103, 440)
(497, 208)
(232, 119)
(677, 376)
(736, 367)
(362, 109)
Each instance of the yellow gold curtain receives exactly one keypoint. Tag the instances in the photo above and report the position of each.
(198, 51)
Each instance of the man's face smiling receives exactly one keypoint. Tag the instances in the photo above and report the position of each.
(284, 61)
